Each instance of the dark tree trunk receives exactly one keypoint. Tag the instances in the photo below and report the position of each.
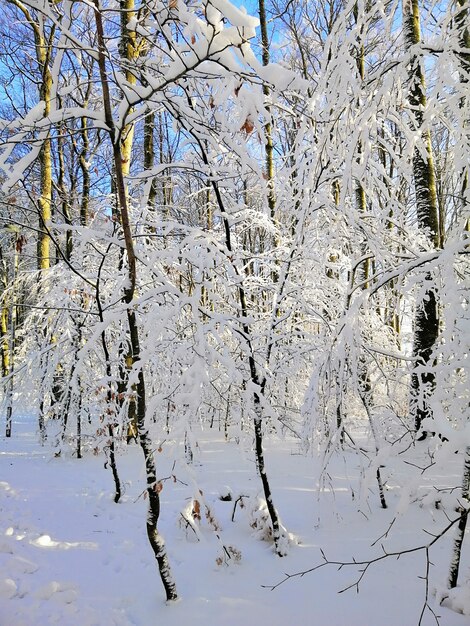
(426, 323)
(254, 377)
(463, 510)
(423, 379)
(156, 541)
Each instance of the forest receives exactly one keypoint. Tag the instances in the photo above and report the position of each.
(234, 312)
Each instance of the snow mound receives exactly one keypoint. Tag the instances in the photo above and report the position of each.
(62, 592)
(458, 599)
(8, 588)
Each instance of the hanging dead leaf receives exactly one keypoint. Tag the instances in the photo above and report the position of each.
(248, 126)
(196, 512)
(173, 4)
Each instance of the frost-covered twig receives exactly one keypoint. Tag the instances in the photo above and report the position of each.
(364, 565)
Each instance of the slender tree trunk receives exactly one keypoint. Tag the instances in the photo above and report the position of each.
(149, 155)
(269, 145)
(155, 539)
(255, 379)
(129, 52)
(268, 135)
(361, 200)
(365, 387)
(64, 195)
(45, 204)
(365, 390)
(461, 21)
(339, 378)
(85, 169)
(391, 314)
(460, 535)
(5, 343)
(43, 49)
(4, 319)
(167, 186)
(259, 386)
(109, 392)
(43, 52)
(12, 340)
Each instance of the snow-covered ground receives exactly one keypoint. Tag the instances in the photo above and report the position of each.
(70, 556)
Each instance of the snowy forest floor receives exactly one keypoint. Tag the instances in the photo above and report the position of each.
(70, 556)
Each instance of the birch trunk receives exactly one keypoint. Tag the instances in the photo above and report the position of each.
(464, 511)
(426, 322)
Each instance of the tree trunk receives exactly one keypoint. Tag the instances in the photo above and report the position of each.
(461, 21)
(85, 169)
(259, 386)
(43, 48)
(43, 52)
(463, 510)
(426, 322)
(268, 129)
(149, 155)
(4, 318)
(156, 541)
(10, 327)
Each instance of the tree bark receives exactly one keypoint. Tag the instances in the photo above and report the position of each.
(461, 21)
(426, 322)
(460, 535)
(149, 155)
(8, 329)
(43, 52)
(259, 386)
(156, 541)
(268, 130)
